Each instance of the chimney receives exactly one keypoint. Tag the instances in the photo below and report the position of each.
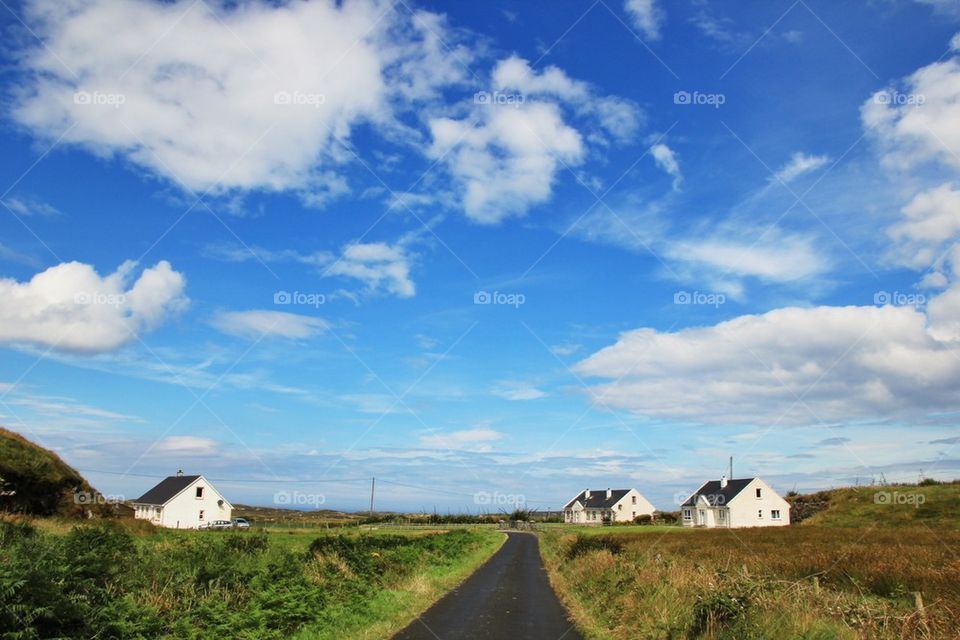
(723, 482)
(609, 493)
(179, 473)
(586, 493)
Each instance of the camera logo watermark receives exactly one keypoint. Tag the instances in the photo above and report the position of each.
(98, 298)
(299, 298)
(715, 100)
(715, 499)
(699, 298)
(898, 299)
(298, 499)
(99, 99)
(897, 498)
(88, 498)
(899, 99)
(499, 499)
(299, 99)
(499, 99)
(499, 298)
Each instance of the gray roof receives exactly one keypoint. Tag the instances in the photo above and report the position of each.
(168, 488)
(717, 495)
(599, 499)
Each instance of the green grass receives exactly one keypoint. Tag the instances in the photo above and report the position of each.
(925, 505)
(122, 579)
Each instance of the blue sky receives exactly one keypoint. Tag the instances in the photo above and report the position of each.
(484, 252)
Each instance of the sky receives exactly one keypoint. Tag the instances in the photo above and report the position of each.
(487, 253)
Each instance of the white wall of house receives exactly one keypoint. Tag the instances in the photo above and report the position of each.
(631, 505)
(757, 505)
(749, 510)
(197, 504)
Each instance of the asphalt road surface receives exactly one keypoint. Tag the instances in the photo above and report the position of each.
(508, 598)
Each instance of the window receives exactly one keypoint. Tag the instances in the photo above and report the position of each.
(634, 515)
(620, 507)
(760, 513)
(687, 514)
(723, 516)
(759, 493)
(199, 492)
(201, 514)
(634, 499)
(775, 514)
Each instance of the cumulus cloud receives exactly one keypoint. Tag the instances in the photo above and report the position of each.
(921, 121)
(259, 323)
(799, 164)
(646, 16)
(378, 265)
(931, 220)
(776, 258)
(70, 307)
(135, 78)
(841, 362)
(666, 159)
(506, 154)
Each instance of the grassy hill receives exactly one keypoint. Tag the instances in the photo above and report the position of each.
(929, 503)
(36, 481)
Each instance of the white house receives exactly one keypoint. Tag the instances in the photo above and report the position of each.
(182, 502)
(611, 505)
(747, 502)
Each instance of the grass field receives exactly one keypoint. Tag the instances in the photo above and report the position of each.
(129, 580)
(849, 572)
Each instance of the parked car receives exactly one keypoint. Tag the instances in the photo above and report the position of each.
(218, 524)
(241, 523)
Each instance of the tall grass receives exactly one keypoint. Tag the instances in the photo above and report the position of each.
(798, 582)
(102, 581)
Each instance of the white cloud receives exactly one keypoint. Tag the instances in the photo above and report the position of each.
(515, 390)
(258, 323)
(71, 307)
(508, 162)
(776, 258)
(30, 207)
(476, 439)
(921, 122)
(646, 16)
(799, 164)
(843, 362)
(136, 78)
(188, 445)
(931, 220)
(378, 265)
(667, 160)
(505, 155)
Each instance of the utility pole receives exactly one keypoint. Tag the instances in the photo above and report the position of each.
(373, 488)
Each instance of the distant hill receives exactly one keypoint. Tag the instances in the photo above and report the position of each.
(37, 482)
(930, 503)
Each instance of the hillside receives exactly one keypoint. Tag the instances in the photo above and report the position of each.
(929, 504)
(36, 481)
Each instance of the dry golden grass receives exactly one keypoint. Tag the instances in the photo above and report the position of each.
(796, 582)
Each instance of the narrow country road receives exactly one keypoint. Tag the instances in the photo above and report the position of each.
(508, 598)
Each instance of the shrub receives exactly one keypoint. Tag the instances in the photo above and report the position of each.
(585, 544)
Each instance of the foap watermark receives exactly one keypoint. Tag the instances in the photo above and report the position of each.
(715, 100)
(99, 298)
(298, 499)
(499, 98)
(99, 99)
(499, 499)
(500, 298)
(898, 299)
(299, 99)
(899, 499)
(715, 499)
(712, 299)
(92, 498)
(299, 298)
(898, 99)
